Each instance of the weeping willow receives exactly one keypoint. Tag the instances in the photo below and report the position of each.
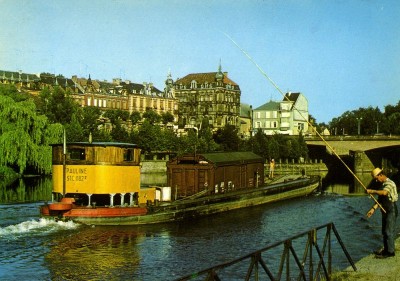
(25, 136)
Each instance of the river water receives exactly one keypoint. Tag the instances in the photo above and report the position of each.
(32, 248)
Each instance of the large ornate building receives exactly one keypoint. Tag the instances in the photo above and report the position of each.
(206, 97)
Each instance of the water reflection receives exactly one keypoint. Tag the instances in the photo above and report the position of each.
(27, 189)
(350, 187)
(95, 251)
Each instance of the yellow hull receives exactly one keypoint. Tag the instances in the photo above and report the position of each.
(97, 179)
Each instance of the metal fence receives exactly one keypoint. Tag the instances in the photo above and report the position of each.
(315, 263)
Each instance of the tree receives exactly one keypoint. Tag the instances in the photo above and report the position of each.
(148, 137)
(228, 138)
(152, 117)
(135, 117)
(167, 117)
(116, 115)
(206, 141)
(90, 119)
(74, 130)
(25, 137)
(12, 92)
(59, 105)
(119, 133)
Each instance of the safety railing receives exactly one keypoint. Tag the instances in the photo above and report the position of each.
(315, 263)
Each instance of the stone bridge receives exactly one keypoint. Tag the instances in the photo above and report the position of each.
(367, 152)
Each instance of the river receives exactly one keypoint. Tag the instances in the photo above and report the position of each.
(32, 248)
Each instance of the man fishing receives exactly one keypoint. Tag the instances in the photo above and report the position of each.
(387, 197)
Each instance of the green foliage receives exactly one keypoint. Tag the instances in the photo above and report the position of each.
(228, 138)
(148, 137)
(152, 117)
(12, 92)
(135, 117)
(167, 117)
(25, 136)
(89, 119)
(74, 130)
(371, 121)
(7, 176)
(58, 105)
(206, 141)
(116, 115)
(119, 133)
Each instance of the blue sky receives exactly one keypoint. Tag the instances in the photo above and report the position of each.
(341, 54)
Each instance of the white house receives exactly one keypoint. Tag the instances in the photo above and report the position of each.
(288, 117)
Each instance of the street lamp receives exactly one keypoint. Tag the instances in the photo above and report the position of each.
(377, 126)
(359, 120)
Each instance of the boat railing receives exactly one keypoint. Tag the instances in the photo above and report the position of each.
(315, 263)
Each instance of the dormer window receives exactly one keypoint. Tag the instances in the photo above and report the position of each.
(193, 84)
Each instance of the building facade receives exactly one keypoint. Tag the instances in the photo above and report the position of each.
(118, 94)
(289, 116)
(206, 97)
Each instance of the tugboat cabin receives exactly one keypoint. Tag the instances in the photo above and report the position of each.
(92, 173)
(211, 173)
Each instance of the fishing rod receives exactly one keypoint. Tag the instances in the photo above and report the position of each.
(306, 119)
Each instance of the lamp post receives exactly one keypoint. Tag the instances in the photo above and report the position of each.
(359, 121)
(377, 126)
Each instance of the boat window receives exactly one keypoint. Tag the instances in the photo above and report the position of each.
(77, 154)
(128, 154)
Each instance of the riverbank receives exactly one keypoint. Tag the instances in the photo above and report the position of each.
(371, 268)
(287, 167)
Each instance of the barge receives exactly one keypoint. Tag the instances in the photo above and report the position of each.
(99, 184)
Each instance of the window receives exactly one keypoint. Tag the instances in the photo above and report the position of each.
(77, 154)
(193, 84)
(128, 154)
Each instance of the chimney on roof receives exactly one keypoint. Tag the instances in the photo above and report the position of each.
(116, 81)
(127, 82)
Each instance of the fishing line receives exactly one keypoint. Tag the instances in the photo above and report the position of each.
(305, 119)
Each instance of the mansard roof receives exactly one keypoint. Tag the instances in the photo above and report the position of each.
(136, 88)
(291, 97)
(202, 78)
(18, 76)
(269, 106)
(51, 79)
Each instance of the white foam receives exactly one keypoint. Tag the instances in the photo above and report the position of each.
(34, 226)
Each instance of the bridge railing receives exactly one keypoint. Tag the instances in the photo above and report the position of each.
(315, 263)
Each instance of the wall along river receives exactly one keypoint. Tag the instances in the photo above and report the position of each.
(32, 248)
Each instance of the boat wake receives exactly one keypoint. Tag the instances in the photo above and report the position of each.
(36, 227)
